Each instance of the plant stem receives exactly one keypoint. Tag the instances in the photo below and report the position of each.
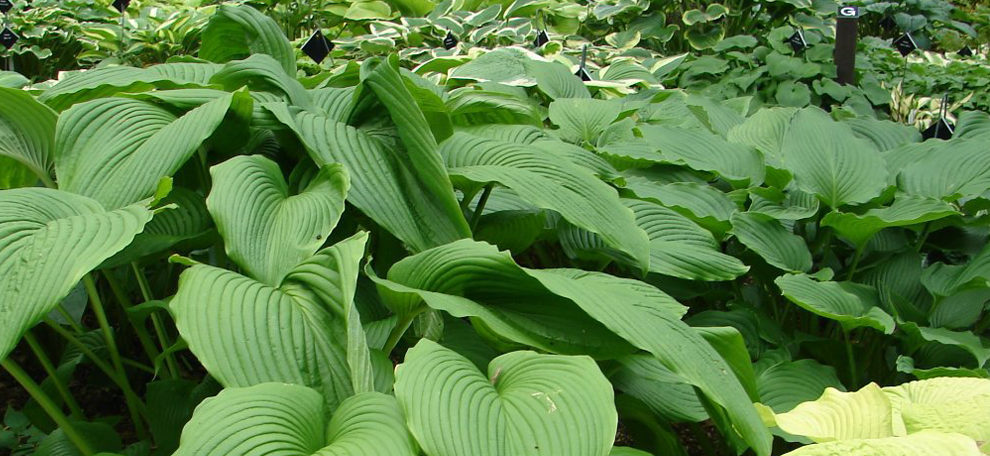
(481, 206)
(156, 322)
(99, 363)
(48, 405)
(142, 333)
(855, 262)
(703, 439)
(852, 359)
(46, 363)
(101, 317)
(924, 237)
(68, 318)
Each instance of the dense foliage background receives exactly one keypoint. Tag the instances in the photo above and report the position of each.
(441, 241)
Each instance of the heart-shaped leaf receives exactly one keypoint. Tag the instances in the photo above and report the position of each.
(265, 230)
(527, 405)
(277, 418)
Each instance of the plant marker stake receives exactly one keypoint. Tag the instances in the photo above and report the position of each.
(582, 71)
(905, 44)
(965, 52)
(941, 129)
(7, 36)
(318, 47)
(541, 38)
(449, 41)
(846, 27)
(121, 5)
(797, 41)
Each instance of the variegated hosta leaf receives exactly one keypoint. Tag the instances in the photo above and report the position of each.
(115, 150)
(27, 131)
(921, 444)
(266, 230)
(527, 405)
(246, 332)
(468, 278)
(49, 240)
(575, 193)
(283, 419)
(960, 405)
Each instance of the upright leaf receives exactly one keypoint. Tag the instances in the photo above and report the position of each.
(237, 31)
(27, 132)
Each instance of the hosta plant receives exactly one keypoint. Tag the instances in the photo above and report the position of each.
(480, 255)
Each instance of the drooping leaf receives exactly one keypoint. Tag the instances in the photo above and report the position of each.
(952, 170)
(853, 305)
(738, 164)
(278, 418)
(49, 240)
(116, 150)
(527, 404)
(785, 385)
(950, 405)
(836, 415)
(921, 444)
(106, 81)
(827, 159)
(906, 210)
(556, 80)
(576, 194)
(702, 203)
(771, 240)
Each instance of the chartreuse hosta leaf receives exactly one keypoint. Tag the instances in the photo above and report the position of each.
(827, 159)
(837, 415)
(266, 230)
(527, 405)
(954, 169)
(921, 444)
(237, 32)
(767, 237)
(960, 405)
(115, 150)
(27, 132)
(49, 240)
(851, 304)
(468, 278)
(906, 210)
(226, 319)
(284, 419)
(736, 163)
(575, 193)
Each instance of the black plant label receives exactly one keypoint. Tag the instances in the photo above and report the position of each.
(8, 38)
(121, 5)
(965, 52)
(318, 47)
(583, 74)
(905, 44)
(541, 38)
(797, 41)
(449, 41)
(5, 5)
(943, 129)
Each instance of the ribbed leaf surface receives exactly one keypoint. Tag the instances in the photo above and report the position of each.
(864, 414)
(950, 171)
(27, 131)
(49, 240)
(265, 230)
(236, 32)
(851, 304)
(905, 211)
(767, 237)
(115, 150)
(924, 444)
(741, 165)
(106, 81)
(528, 405)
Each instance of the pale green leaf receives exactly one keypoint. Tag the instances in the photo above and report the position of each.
(922, 444)
(836, 415)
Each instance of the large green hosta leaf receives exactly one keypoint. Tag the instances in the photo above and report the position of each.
(851, 304)
(906, 210)
(583, 119)
(228, 318)
(106, 81)
(786, 385)
(115, 150)
(265, 230)
(954, 169)
(771, 240)
(280, 419)
(741, 165)
(236, 32)
(702, 203)
(827, 159)
(575, 193)
(27, 132)
(464, 275)
(49, 240)
(527, 405)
